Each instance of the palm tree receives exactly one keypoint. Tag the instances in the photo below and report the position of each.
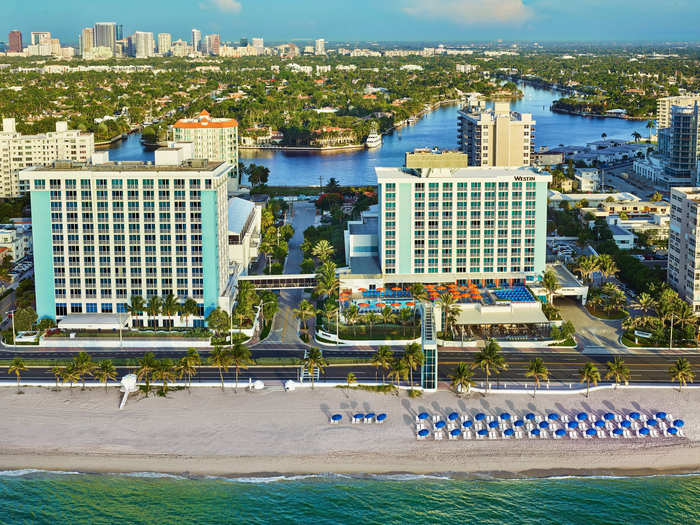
(154, 308)
(305, 312)
(589, 374)
(619, 370)
(351, 379)
(240, 359)
(188, 365)
(57, 371)
(16, 367)
(551, 284)
(382, 359)
(398, 370)
(314, 360)
(387, 314)
(680, 371)
(352, 315)
(537, 371)
(71, 374)
(323, 250)
(170, 308)
(106, 371)
(646, 303)
(462, 378)
(586, 266)
(418, 292)
(414, 357)
(146, 366)
(84, 365)
(405, 315)
(371, 319)
(136, 305)
(650, 125)
(490, 360)
(165, 373)
(188, 309)
(329, 313)
(607, 265)
(448, 305)
(221, 359)
(636, 136)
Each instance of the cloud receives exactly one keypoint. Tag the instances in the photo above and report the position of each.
(230, 6)
(472, 12)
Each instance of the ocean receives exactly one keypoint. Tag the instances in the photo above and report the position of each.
(56, 498)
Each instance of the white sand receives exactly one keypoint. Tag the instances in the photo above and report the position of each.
(222, 433)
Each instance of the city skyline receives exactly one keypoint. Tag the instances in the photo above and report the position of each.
(444, 20)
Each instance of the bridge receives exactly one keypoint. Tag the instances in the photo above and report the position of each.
(281, 282)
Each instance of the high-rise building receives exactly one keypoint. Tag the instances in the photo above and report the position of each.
(196, 40)
(15, 42)
(105, 35)
(495, 137)
(683, 272)
(38, 36)
(259, 44)
(664, 105)
(105, 232)
(164, 43)
(143, 44)
(86, 41)
(213, 44)
(243, 42)
(19, 151)
(119, 32)
(320, 47)
(679, 146)
(213, 139)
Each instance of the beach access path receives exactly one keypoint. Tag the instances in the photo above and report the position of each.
(208, 431)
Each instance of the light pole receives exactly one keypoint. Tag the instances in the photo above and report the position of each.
(11, 313)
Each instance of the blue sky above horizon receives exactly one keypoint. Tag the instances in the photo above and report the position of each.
(366, 20)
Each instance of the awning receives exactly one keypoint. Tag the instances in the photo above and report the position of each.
(94, 321)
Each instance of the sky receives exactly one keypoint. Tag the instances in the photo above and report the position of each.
(368, 20)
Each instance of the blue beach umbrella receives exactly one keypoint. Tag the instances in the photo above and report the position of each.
(609, 416)
(530, 416)
(617, 431)
(453, 416)
(509, 432)
(381, 417)
(535, 432)
(455, 432)
(467, 424)
(644, 431)
(543, 424)
(661, 415)
(483, 432)
(678, 423)
(359, 416)
(423, 415)
(600, 423)
(560, 432)
(370, 415)
(493, 424)
(591, 432)
(336, 417)
(519, 423)
(480, 416)
(572, 424)
(440, 424)
(505, 416)
(652, 422)
(673, 431)
(635, 415)
(626, 424)
(581, 416)
(423, 432)
(553, 416)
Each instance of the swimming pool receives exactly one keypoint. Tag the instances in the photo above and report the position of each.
(389, 301)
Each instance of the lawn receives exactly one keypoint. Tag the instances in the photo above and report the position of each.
(361, 332)
(602, 314)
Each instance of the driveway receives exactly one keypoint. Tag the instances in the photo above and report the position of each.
(592, 334)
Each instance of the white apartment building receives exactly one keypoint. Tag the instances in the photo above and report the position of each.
(17, 242)
(320, 47)
(213, 139)
(487, 225)
(497, 136)
(107, 231)
(665, 104)
(683, 248)
(243, 233)
(196, 40)
(19, 151)
(144, 45)
(164, 43)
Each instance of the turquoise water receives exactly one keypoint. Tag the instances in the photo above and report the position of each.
(84, 498)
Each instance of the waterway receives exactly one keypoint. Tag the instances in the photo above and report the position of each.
(438, 128)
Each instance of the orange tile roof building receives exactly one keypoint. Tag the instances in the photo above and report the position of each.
(215, 139)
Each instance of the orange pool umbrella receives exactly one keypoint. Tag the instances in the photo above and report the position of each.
(396, 289)
(440, 287)
(395, 305)
(463, 287)
(363, 305)
(410, 303)
(380, 289)
(380, 305)
(362, 289)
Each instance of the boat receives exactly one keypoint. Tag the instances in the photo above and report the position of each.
(374, 140)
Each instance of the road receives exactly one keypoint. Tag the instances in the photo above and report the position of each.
(563, 367)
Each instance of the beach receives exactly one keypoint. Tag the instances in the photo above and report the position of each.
(210, 432)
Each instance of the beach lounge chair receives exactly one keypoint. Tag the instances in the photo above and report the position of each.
(543, 434)
(573, 434)
(438, 436)
(467, 434)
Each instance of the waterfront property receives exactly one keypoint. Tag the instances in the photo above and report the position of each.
(683, 248)
(105, 232)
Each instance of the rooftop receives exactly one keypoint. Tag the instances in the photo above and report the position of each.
(471, 172)
(617, 230)
(120, 166)
(365, 266)
(238, 212)
(205, 121)
(368, 226)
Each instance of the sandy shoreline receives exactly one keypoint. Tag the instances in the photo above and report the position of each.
(207, 432)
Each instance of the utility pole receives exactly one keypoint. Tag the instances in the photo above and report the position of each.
(12, 316)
